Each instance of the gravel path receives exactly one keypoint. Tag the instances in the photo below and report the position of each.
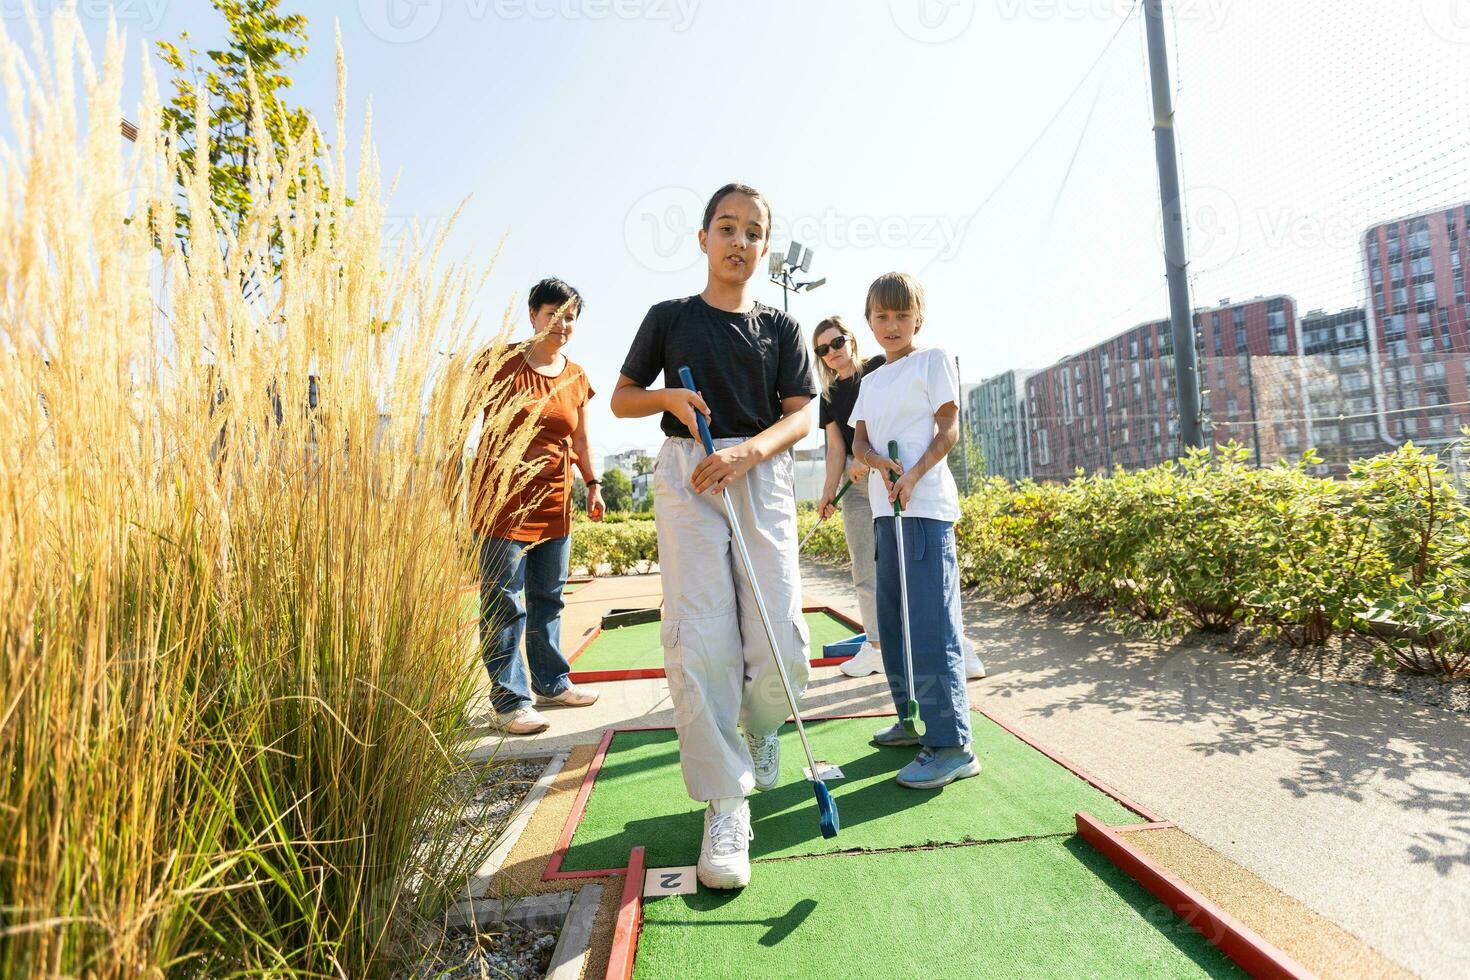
(504, 950)
(509, 952)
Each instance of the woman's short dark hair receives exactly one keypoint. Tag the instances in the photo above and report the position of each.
(555, 292)
(726, 191)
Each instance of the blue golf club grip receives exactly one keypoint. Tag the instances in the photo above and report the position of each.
(687, 380)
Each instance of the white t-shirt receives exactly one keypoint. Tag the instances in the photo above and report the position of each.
(898, 401)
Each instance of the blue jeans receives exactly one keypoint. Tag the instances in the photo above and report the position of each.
(934, 626)
(507, 570)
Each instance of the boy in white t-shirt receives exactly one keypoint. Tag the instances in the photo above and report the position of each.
(914, 400)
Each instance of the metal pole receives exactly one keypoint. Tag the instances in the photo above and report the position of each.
(964, 445)
(1176, 262)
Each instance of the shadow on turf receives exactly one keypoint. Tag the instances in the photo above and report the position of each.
(786, 816)
(1151, 910)
(778, 928)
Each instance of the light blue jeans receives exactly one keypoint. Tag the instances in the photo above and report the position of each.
(934, 626)
(520, 595)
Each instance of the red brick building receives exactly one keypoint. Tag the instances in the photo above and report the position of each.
(1114, 403)
(1418, 324)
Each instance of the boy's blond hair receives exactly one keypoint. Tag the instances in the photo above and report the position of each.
(895, 291)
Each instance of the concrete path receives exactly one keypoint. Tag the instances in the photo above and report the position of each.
(1352, 801)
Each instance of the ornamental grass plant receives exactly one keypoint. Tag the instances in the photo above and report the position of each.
(233, 665)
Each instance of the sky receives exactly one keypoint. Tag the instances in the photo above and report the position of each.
(1001, 151)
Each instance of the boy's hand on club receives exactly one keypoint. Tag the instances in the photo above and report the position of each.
(825, 507)
(891, 469)
(902, 489)
(718, 470)
(684, 404)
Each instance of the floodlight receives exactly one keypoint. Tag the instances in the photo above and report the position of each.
(793, 255)
(815, 283)
(777, 264)
(806, 261)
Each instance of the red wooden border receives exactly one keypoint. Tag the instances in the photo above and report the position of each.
(645, 673)
(630, 916)
(553, 870)
(1250, 952)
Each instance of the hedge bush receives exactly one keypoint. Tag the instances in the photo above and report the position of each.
(1209, 543)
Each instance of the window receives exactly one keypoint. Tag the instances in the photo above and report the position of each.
(1424, 292)
(1393, 326)
(1400, 297)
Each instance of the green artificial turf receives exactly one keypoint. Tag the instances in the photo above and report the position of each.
(1041, 908)
(639, 798)
(638, 647)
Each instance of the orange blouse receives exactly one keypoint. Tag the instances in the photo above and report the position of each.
(557, 403)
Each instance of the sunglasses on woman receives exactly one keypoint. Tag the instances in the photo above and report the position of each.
(838, 342)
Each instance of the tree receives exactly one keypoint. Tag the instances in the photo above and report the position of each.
(579, 493)
(263, 43)
(642, 464)
(617, 490)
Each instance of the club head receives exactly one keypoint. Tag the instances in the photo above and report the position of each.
(828, 808)
(912, 723)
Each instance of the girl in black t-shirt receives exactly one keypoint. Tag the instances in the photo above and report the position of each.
(840, 370)
(755, 380)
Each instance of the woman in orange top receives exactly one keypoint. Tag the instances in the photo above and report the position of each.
(527, 553)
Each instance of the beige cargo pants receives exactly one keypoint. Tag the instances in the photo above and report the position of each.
(721, 674)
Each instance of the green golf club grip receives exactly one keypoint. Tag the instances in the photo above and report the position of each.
(840, 491)
(893, 455)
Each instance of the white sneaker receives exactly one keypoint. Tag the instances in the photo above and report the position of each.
(572, 697)
(974, 668)
(868, 660)
(522, 721)
(724, 856)
(765, 759)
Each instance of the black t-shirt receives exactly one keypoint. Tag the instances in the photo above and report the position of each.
(743, 363)
(842, 396)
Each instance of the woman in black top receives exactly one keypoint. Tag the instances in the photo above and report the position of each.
(840, 370)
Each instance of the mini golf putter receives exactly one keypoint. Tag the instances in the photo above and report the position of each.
(826, 807)
(912, 723)
(835, 501)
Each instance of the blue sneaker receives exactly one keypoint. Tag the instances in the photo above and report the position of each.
(894, 736)
(933, 768)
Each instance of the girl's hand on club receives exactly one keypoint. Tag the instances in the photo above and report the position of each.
(595, 507)
(857, 472)
(902, 489)
(719, 469)
(891, 469)
(684, 404)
